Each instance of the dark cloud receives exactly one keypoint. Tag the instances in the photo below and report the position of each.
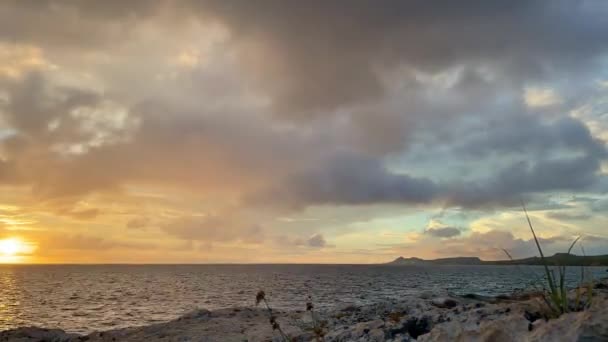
(511, 183)
(566, 216)
(442, 232)
(524, 134)
(73, 25)
(305, 172)
(317, 55)
(380, 80)
(317, 241)
(33, 105)
(351, 180)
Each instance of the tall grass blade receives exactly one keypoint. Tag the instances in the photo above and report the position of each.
(589, 284)
(553, 292)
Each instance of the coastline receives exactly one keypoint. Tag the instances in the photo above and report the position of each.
(426, 317)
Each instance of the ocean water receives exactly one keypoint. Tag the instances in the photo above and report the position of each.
(79, 298)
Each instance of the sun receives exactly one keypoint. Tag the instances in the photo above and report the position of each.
(11, 247)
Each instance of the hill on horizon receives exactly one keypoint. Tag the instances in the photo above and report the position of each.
(556, 259)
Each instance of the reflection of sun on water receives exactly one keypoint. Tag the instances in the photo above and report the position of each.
(13, 249)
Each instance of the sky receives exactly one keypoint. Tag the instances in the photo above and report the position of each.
(284, 131)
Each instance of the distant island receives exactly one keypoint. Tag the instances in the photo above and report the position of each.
(556, 259)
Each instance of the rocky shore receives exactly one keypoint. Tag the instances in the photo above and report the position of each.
(428, 317)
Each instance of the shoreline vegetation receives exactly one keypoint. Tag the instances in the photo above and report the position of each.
(429, 316)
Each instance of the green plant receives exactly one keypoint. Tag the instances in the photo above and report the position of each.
(535, 279)
(589, 283)
(556, 290)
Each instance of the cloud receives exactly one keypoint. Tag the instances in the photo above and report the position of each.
(436, 228)
(568, 216)
(85, 214)
(207, 147)
(541, 97)
(600, 206)
(355, 180)
(261, 110)
(49, 242)
(210, 228)
(511, 183)
(350, 180)
(443, 232)
(139, 223)
(521, 134)
(488, 245)
(19, 59)
(367, 39)
(317, 241)
(71, 159)
(491, 244)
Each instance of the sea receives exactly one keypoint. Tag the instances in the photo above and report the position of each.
(86, 298)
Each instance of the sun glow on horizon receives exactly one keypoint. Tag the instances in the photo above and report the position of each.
(13, 249)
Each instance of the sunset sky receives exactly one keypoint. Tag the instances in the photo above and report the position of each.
(300, 131)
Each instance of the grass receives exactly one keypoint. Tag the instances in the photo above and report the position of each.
(261, 298)
(318, 329)
(556, 291)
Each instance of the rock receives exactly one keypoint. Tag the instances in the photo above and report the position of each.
(601, 286)
(376, 335)
(426, 295)
(536, 325)
(525, 321)
(519, 296)
(591, 325)
(31, 334)
(480, 298)
(347, 308)
(200, 313)
(444, 303)
(511, 329)
(401, 338)
(395, 330)
(532, 316)
(364, 328)
(418, 326)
